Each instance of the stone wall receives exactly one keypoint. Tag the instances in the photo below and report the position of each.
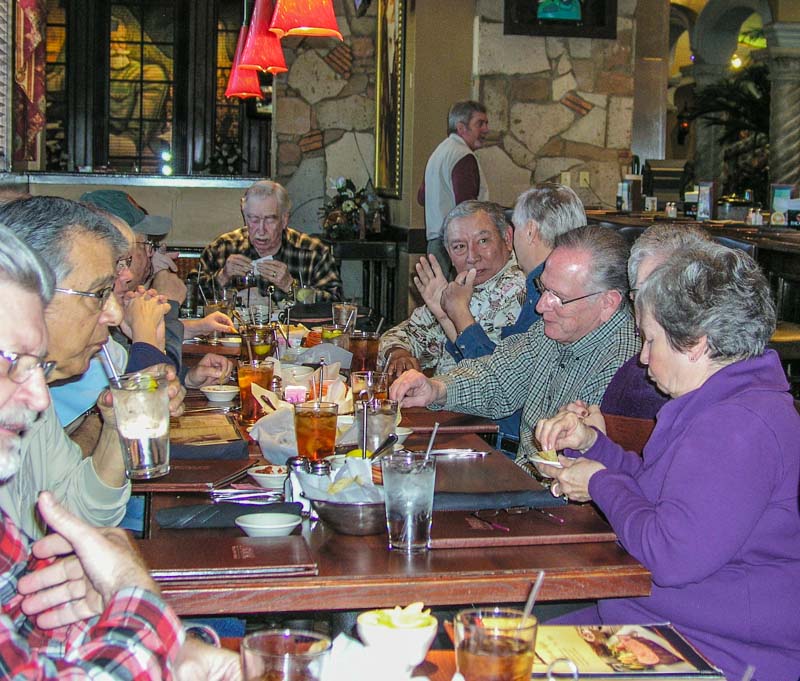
(555, 105)
(324, 115)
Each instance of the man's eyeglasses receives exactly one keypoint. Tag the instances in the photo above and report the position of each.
(632, 294)
(22, 365)
(124, 263)
(261, 220)
(103, 295)
(148, 245)
(543, 290)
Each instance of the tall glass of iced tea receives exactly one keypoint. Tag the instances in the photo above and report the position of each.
(364, 346)
(258, 371)
(315, 429)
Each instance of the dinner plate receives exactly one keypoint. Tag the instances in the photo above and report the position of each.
(538, 459)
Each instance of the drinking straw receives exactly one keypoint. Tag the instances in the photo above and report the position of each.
(526, 613)
(108, 366)
(350, 319)
(364, 408)
(433, 437)
(202, 292)
(380, 324)
(321, 381)
(249, 347)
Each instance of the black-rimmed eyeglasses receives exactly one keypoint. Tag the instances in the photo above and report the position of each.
(22, 365)
(124, 263)
(103, 295)
(543, 290)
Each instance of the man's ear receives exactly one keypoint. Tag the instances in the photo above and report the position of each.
(610, 302)
(531, 230)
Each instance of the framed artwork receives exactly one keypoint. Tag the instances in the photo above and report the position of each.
(571, 18)
(389, 98)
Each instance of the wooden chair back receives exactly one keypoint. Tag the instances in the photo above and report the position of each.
(631, 433)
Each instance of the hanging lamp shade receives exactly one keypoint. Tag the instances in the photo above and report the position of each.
(262, 50)
(242, 83)
(305, 17)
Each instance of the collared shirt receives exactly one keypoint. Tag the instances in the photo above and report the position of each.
(541, 375)
(494, 305)
(136, 638)
(310, 261)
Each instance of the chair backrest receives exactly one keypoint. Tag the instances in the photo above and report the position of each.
(631, 233)
(730, 242)
(630, 433)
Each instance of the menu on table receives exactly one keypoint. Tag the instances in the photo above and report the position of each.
(197, 429)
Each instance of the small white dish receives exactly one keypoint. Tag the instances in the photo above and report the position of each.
(400, 646)
(220, 393)
(538, 459)
(269, 476)
(231, 341)
(268, 524)
(402, 434)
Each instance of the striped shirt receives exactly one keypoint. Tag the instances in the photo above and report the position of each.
(310, 261)
(136, 638)
(540, 375)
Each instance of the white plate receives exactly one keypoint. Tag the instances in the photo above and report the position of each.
(536, 459)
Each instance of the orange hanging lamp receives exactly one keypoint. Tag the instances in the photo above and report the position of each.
(305, 18)
(242, 83)
(262, 50)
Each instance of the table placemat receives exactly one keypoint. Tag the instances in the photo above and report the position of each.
(199, 429)
(462, 529)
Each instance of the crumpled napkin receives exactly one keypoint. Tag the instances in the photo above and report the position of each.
(328, 352)
(275, 435)
(334, 487)
(350, 660)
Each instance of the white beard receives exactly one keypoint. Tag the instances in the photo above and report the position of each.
(10, 445)
(9, 456)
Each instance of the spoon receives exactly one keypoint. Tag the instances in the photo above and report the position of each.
(388, 443)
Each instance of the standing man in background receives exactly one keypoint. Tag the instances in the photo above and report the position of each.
(453, 173)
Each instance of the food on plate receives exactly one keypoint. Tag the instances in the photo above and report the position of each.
(549, 455)
(411, 617)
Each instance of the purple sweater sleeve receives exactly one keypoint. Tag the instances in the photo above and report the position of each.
(710, 493)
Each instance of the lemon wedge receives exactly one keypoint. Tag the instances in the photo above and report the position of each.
(357, 454)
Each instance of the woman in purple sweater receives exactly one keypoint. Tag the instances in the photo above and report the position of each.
(712, 507)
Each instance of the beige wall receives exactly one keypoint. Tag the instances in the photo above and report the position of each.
(199, 214)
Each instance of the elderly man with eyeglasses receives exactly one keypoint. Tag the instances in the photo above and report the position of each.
(268, 248)
(82, 248)
(585, 334)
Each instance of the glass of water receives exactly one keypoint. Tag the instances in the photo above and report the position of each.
(408, 481)
(141, 409)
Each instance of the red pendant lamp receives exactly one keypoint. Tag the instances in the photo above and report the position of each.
(242, 83)
(305, 17)
(262, 50)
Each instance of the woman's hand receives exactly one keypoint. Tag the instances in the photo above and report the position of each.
(573, 479)
(565, 430)
(590, 413)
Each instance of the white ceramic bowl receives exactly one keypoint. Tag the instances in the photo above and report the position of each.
(220, 393)
(402, 434)
(231, 341)
(398, 646)
(296, 374)
(269, 476)
(268, 524)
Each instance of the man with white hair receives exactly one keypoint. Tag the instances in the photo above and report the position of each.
(80, 602)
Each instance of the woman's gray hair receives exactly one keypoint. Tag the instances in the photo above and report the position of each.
(464, 209)
(661, 241)
(609, 253)
(21, 266)
(264, 189)
(462, 112)
(47, 224)
(554, 207)
(716, 292)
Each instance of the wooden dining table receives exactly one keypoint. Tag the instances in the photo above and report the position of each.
(357, 572)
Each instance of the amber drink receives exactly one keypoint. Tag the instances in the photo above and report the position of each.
(259, 372)
(364, 346)
(495, 644)
(315, 429)
(369, 385)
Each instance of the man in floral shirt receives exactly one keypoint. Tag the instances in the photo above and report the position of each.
(79, 603)
(479, 242)
(269, 249)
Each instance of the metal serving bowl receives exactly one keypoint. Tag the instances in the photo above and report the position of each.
(358, 518)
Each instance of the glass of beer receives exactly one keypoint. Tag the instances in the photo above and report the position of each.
(369, 385)
(495, 644)
(315, 429)
(364, 346)
(255, 371)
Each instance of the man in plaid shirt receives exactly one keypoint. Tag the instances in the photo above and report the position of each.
(270, 251)
(79, 603)
(586, 333)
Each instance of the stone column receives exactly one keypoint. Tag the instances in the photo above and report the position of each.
(708, 152)
(784, 123)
